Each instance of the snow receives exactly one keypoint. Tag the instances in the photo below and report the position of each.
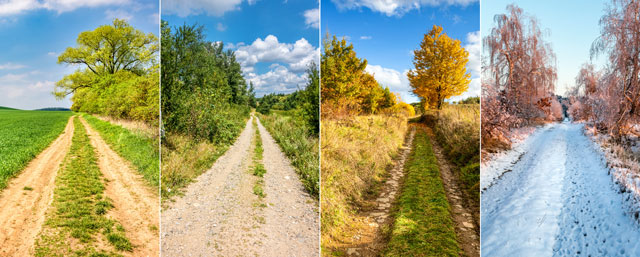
(501, 162)
(557, 200)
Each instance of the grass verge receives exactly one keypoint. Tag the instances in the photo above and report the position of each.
(293, 135)
(77, 224)
(423, 225)
(139, 149)
(23, 135)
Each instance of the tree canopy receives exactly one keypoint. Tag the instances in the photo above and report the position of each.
(440, 68)
(117, 74)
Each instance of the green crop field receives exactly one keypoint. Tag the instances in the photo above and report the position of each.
(23, 135)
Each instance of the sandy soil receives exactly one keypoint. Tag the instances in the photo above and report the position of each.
(291, 216)
(136, 205)
(22, 212)
(467, 229)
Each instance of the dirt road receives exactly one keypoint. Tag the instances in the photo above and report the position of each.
(22, 211)
(220, 216)
(136, 206)
(557, 199)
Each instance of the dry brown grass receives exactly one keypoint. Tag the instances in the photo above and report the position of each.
(133, 125)
(183, 159)
(355, 156)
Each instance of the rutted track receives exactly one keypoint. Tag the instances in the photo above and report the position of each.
(220, 216)
(22, 211)
(136, 207)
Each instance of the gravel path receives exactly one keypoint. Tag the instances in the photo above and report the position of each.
(220, 216)
(291, 215)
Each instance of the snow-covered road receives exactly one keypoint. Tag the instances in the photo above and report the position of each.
(556, 199)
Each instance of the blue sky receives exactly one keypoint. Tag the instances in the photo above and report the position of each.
(571, 26)
(35, 32)
(385, 32)
(274, 41)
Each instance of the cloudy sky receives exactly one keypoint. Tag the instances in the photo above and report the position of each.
(570, 33)
(274, 41)
(35, 32)
(385, 32)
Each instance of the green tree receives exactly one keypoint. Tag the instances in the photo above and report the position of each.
(118, 74)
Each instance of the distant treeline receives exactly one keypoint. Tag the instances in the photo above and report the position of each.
(304, 101)
(204, 94)
(54, 109)
(118, 75)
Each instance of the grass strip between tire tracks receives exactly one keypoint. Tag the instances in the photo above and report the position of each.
(77, 223)
(423, 224)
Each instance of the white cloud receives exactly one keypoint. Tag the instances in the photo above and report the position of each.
(365, 37)
(195, 7)
(279, 80)
(28, 91)
(118, 13)
(155, 18)
(221, 27)
(52, 54)
(14, 7)
(396, 7)
(396, 81)
(297, 55)
(474, 90)
(474, 47)
(312, 18)
(11, 66)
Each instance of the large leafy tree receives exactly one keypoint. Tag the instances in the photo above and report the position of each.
(117, 74)
(440, 68)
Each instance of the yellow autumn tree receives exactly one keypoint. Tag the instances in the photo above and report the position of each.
(440, 69)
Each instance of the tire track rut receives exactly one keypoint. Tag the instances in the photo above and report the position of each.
(136, 206)
(22, 212)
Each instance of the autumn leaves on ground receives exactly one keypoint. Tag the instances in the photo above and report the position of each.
(393, 183)
(85, 182)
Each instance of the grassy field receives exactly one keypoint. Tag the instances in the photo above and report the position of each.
(292, 134)
(423, 225)
(356, 154)
(139, 149)
(457, 129)
(77, 222)
(23, 135)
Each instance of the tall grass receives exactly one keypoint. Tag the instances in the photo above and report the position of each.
(293, 135)
(138, 148)
(423, 225)
(23, 135)
(457, 129)
(356, 153)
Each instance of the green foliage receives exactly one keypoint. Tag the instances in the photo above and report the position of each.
(203, 92)
(470, 100)
(291, 132)
(346, 87)
(23, 135)
(79, 205)
(423, 225)
(119, 77)
(140, 150)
